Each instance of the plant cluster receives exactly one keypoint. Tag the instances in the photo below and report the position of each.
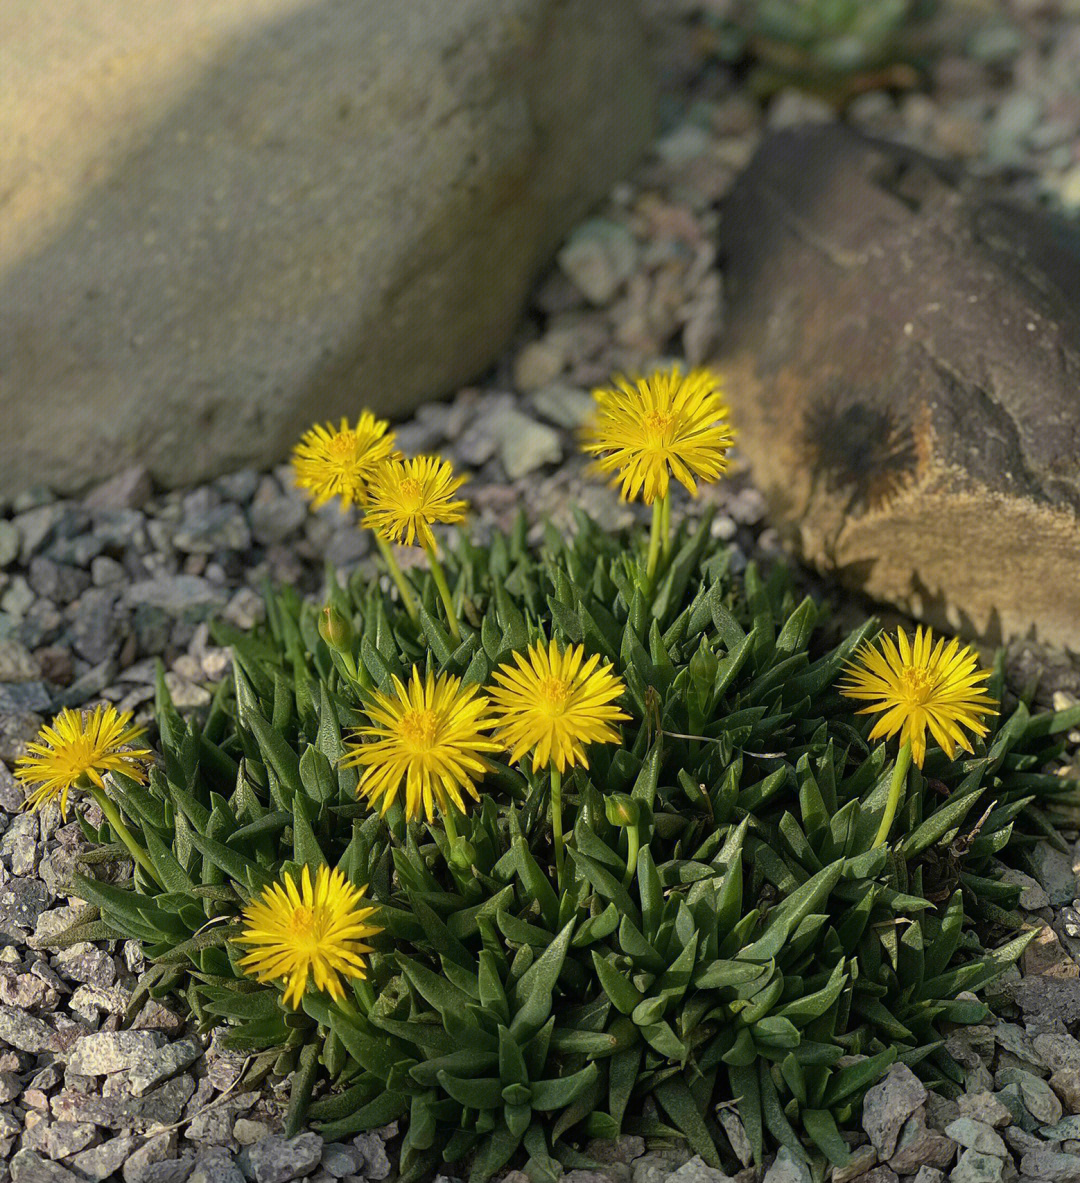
(547, 843)
(837, 48)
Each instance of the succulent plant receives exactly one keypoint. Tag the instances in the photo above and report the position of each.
(728, 934)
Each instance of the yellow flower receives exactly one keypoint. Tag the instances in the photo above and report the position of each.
(553, 703)
(73, 747)
(330, 462)
(297, 932)
(407, 497)
(657, 427)
(431, 734)
(916, 685)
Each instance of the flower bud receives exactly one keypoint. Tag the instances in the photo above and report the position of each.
(336, 629)
(622, 810)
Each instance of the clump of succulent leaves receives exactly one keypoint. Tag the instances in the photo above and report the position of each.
(837, 48)
(755, 954)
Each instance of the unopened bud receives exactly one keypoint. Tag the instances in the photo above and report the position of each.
(336, 629)
(622, 810)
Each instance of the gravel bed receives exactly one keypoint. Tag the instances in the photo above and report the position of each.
(94, 590)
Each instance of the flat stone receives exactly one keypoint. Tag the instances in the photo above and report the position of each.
(17, 663)
(984, 1107)
(698, 1171)
(1050, 1166)
(1046, 957)
(376, 1163)
(786, 1168)
(162, 1106)
(1058, 1051)
(1066, 1130)
(888, 1105)
(21, 697)
(732, 1125)
(1054, 871)
(1039, 1099)
(524, 445)
(1032, 894)
(279, 1160)
(919, 1145)
(929, 1175)
(1049, 998)
(157, 1064)
(599, 257)
(973, 1167)
(129, 489)
(886, 412)
(113, 1051)
(977, 1135)
(863, 1159)
(159, 1149)
(59, 1139)
(104, 1161)
(216, 1170)
(1066, 1083)
(340, 1159)
(27, 1033)
(29, 1167)
(178, 595)
(565, 406)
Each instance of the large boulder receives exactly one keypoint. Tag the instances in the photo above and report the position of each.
(903, 357)
(221, 219)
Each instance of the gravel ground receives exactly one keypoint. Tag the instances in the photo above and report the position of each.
(92, 591)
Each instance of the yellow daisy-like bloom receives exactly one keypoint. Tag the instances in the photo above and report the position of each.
(669, 424)
(918, 684)
(297, 932)
(75, 746)
(334, 462)
(408, 497)
(429, 734)
(554, 702)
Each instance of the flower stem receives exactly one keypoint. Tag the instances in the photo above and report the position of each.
(892, 803)
(665, 523)
(633, 845)
(556, 822)
(396, 574)
(654, 540)
(444, 589)
(123, 833)
(450, 824)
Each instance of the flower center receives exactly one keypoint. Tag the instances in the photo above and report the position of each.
(918, 685)
(552, 695)
(302, 923)
(418, 729)
(656, 426)
(412, 494)
(342, 447)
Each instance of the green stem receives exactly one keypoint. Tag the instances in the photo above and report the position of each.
(556, 822)
(892, 803)
(123, 833)
(654, 540)
(396, 574)
(444, 589)
(633, 845)
(665, 523)
(450, 824)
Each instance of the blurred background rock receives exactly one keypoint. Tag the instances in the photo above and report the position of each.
(224, 218)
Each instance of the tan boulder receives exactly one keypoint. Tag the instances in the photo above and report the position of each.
(221, 219)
